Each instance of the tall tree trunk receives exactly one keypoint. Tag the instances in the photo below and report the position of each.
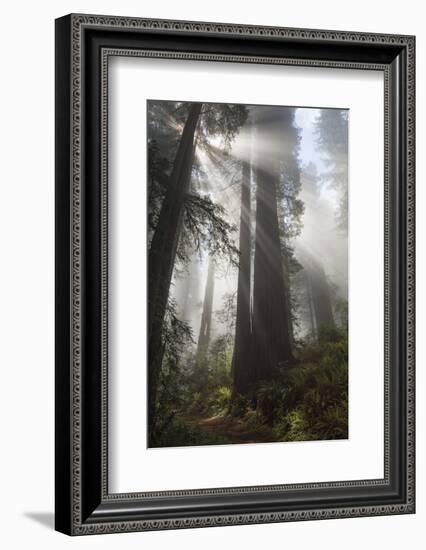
(188, 290)
(271, 327)
(241, 355)
(162, 253)
(287, 294)
(206, 317)
(310, 304)
(320, 295)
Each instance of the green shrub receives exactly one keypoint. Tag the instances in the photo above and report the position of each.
(270, 400)
(254, 419)
(292, 427)
(239, 405)
(219, 400)
(197, 403)
(179, 434)
(309, 401)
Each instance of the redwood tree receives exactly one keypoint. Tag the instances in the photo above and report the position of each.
(163, 248)
(241, 356)
(272, 346)
(206, 316)
(320, 293)
(271, 330)
(180, 219)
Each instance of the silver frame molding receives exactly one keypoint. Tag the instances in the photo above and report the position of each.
(84, 44)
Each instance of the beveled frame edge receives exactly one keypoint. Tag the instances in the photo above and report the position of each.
(68, 367)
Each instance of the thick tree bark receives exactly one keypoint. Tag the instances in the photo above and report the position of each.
(162, 252)
(271, 327)
(206, 317)
(241, 356)
(271, 321)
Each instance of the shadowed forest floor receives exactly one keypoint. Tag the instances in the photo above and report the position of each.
(228, 429)
(306, 402)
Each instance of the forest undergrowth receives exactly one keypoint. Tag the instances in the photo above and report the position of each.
(307, 401)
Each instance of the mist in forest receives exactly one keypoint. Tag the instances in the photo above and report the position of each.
(247, 273)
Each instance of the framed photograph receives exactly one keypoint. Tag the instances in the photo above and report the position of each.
(234, 274)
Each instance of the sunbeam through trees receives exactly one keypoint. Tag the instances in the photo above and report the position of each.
(247, 273)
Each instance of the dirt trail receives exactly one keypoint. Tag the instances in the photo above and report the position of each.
(230, 428)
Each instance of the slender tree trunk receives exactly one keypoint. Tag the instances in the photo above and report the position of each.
(206, 317)
(162, 253)
(271, 327)
(320, 295)
(188, 290)
(287, 294)
(241, 355)
(310, 305)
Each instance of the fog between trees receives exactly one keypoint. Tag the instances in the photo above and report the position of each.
(248, 265)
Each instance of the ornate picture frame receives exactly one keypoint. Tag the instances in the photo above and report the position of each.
(84, 45)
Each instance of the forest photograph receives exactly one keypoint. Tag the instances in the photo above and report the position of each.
(247, 276)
